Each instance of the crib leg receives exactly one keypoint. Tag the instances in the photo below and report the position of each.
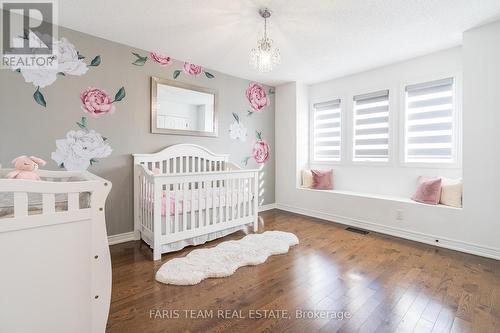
(156, 254)
(256, 223)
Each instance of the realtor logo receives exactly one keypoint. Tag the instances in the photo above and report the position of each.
(28, 34)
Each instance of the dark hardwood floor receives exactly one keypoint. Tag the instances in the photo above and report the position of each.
(378, 283)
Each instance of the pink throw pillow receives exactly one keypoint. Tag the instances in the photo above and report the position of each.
(428, 190)
(322, 179)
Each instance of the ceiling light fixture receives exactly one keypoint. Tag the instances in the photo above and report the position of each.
(264, 57)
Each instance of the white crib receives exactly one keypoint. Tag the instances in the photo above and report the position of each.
(186, 195)
(56, 266)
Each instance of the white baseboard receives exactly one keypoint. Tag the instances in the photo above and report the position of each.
(263, 208)
(398, 232)
(121, 238)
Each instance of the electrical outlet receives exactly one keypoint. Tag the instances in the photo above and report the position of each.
(399, 215)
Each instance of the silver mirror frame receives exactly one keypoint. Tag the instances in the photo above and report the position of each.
(155, 81)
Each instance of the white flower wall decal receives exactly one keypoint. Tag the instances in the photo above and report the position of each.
(68, 59)
(69, 62)
(80, 149)
(40, 77)
(237, 131)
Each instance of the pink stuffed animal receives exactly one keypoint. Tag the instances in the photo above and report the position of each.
(25, 168)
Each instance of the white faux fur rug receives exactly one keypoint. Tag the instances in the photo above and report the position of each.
(225, 258)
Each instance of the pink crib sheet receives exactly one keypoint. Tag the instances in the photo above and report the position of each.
(193, 202)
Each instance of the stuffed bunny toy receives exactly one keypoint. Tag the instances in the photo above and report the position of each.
(25, 168)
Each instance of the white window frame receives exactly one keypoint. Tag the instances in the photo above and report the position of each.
(457, 123)
(390, 128)
(311, 130)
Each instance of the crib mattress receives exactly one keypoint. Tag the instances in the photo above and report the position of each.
(35, 205)
(217, 197)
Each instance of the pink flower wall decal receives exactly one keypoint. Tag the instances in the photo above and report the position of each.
(192, 69)
(261, 151)
(97, 102)
(257, 97)
(163, 60)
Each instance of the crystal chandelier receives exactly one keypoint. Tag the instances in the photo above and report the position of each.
(264, 57)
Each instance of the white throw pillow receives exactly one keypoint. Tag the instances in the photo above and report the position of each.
(307, 178)
(451, 192)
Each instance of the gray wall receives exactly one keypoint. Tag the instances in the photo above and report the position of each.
(27, 128)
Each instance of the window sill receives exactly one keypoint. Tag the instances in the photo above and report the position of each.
(430, 166)
(379, 197)
(390, 164)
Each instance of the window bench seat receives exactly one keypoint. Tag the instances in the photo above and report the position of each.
(378, 196)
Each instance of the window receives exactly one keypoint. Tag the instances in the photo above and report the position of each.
(326, 131)
(429, 122)
(371, 127)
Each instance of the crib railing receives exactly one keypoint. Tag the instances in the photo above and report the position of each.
(186, 164)
(71, 185)
(184, 158)
(179, 206)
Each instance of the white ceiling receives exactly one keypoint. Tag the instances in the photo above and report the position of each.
(318, 39)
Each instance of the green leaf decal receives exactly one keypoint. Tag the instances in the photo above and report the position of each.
(271, 91)
(61, 73)
(140, 61)
(120, 95)
(18, 70)
(249, 113)
(38, 96)
(176, 73)
(93, 160)
(83, 123)
(258, 135)
(96, 61)
(245, 160)
(209, 75)
(80, 57)
(236, 117)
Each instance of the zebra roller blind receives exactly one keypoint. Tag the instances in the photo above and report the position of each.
(371, 127)
(430, 125)
(327, 131)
